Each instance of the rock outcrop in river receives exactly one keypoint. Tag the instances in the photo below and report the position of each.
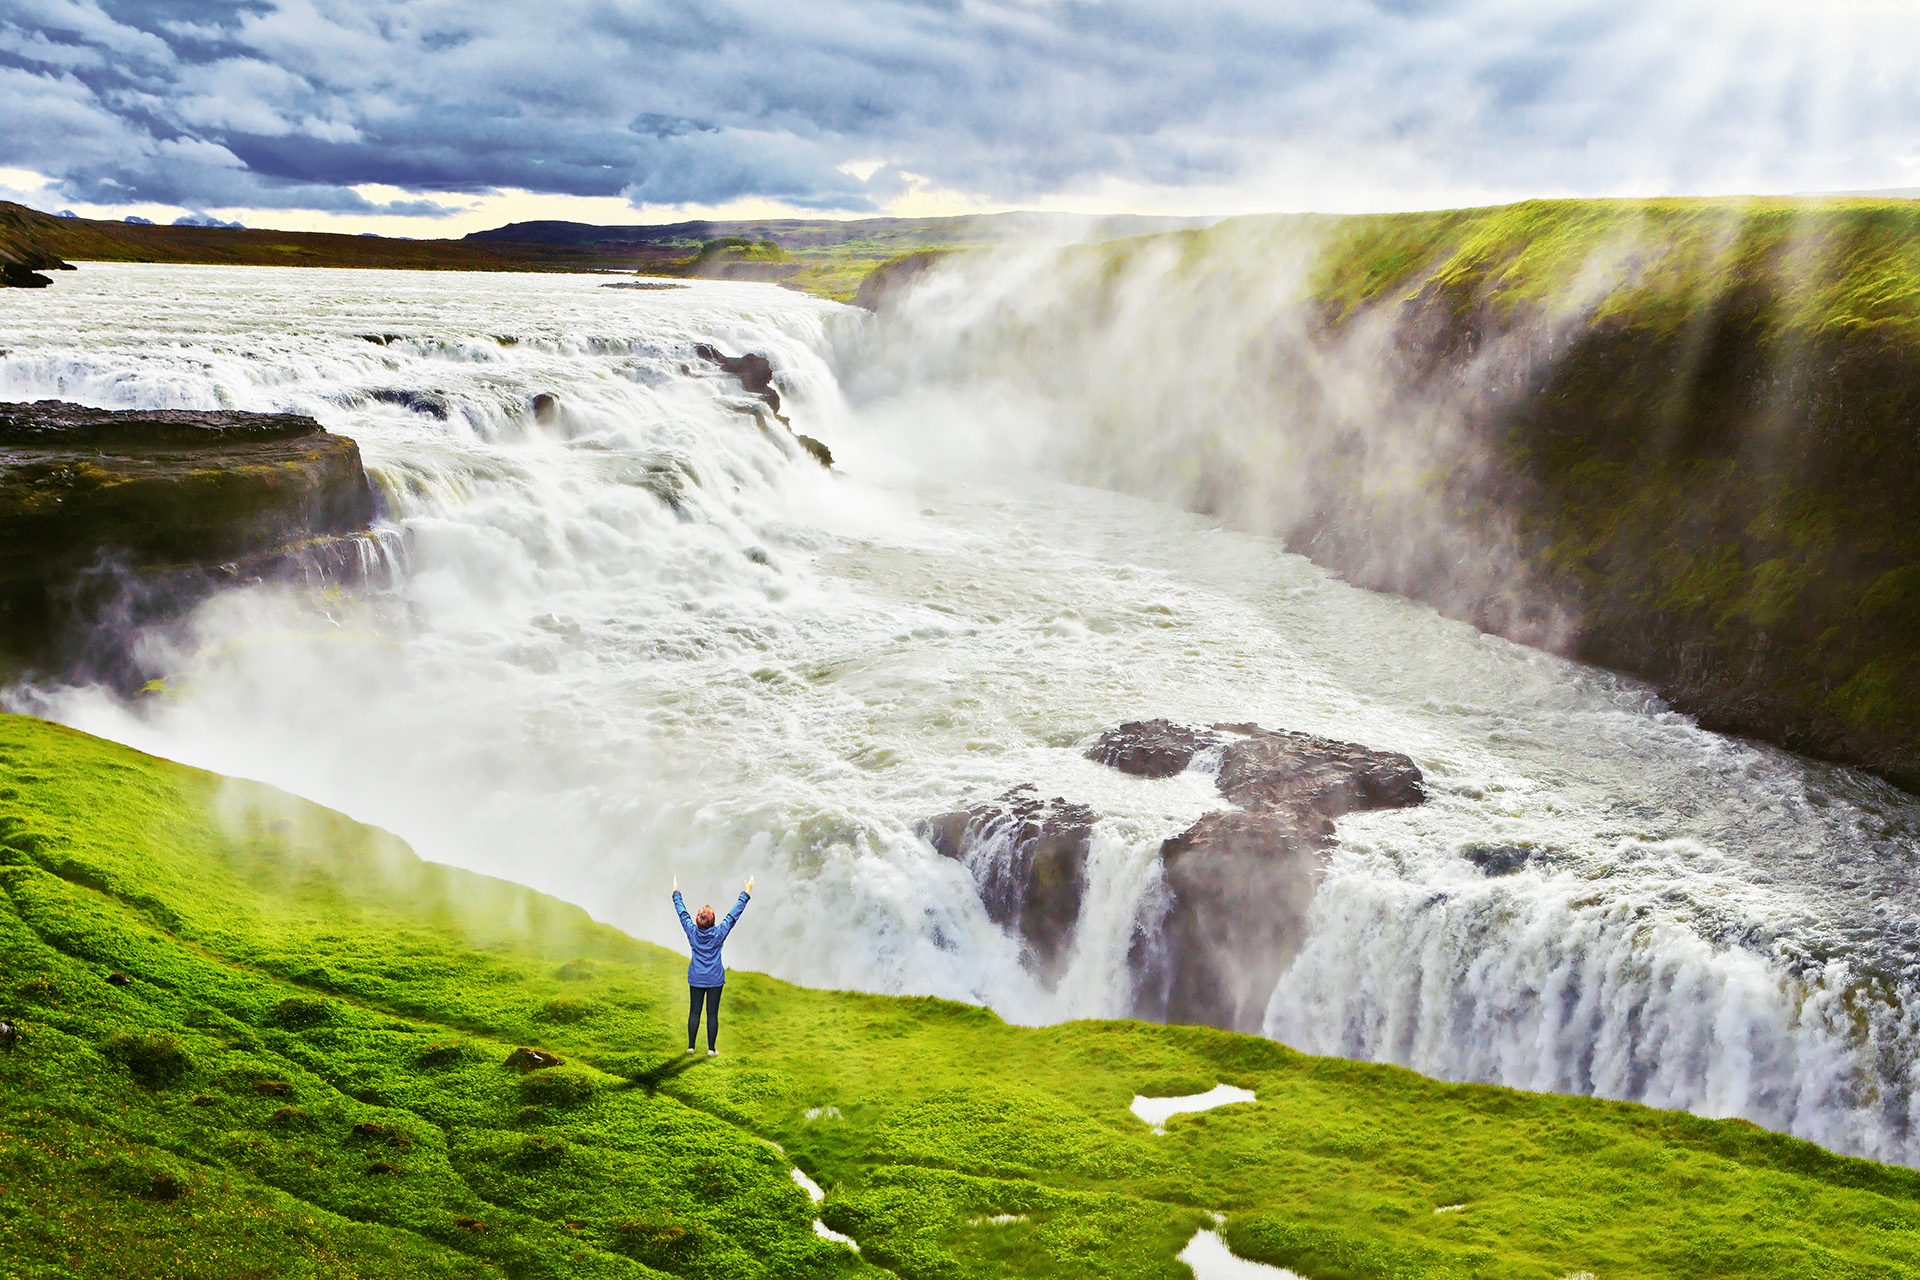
(1028, 857)
(163, 504)
(1238, 881)
(755, 375)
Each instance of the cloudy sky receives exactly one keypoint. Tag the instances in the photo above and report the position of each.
(436, 117)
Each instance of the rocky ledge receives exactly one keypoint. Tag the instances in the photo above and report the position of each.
(1238, 882)
(1028, 857)
(754, 372)
(176, 500)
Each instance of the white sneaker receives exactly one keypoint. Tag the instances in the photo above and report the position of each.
(689, 1048)
(713, 1053)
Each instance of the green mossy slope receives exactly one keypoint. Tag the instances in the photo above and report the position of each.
(306, 1075)
(1717, 466)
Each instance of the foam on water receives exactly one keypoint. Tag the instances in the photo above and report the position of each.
(644, 635)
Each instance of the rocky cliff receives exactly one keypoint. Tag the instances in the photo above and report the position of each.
(1700, 444)
(151, 508)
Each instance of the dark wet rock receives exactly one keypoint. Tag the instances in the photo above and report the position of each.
(15, 276)
(431, 403)
(641, 284)
(1239, 882)
(821, 454)
(119, 979)
(1498, 859)
(755, 372)
(1239, 885)
(139, 513)
(524, 1060)
(9, 1036)
(1028, 857)
(545, 408)
(1150, 748)
(1274, 770)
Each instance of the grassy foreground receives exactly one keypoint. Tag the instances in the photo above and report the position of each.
(308, 1072)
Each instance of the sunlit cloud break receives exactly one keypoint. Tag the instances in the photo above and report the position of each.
(845, 106)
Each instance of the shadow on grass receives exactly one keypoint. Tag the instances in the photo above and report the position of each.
(651, 1078)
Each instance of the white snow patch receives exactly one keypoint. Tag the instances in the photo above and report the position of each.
(1156, 1111)
(826, 1232)
(997, 1220)
(1210, 1259)
(1450, 1208)
(824, 1113)
(808, 1185)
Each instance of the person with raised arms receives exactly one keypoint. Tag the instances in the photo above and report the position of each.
(705, 974)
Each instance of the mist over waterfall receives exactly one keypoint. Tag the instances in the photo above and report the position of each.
(633, 630)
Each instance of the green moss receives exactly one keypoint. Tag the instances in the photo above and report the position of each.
(338, 1020)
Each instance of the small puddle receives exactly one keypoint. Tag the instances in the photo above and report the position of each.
(826, 1232)
(815, 1194)
(1210, 1259)
(1156, 1111)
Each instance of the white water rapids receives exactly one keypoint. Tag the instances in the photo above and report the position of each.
(576, 685)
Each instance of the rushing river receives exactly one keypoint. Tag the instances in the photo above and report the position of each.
(642, 636)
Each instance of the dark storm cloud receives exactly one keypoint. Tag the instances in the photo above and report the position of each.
(290, 103)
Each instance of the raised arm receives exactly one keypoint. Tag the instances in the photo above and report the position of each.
(686, 921)
(726, 926)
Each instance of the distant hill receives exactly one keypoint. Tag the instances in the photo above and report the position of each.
(821, 233)
(819, 256)
(41, 240)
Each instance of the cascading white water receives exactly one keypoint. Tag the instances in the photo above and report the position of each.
(640, 635)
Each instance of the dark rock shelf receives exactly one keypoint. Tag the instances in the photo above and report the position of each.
(184, 499)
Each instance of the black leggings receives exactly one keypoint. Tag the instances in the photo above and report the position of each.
(711, 997)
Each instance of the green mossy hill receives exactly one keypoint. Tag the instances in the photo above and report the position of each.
(1717, 463)
(258, 1039)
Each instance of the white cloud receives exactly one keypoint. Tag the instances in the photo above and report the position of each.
(854, 104)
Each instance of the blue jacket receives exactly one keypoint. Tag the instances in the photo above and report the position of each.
(705, 970)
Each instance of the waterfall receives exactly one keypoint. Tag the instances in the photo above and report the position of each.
(629, 628)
